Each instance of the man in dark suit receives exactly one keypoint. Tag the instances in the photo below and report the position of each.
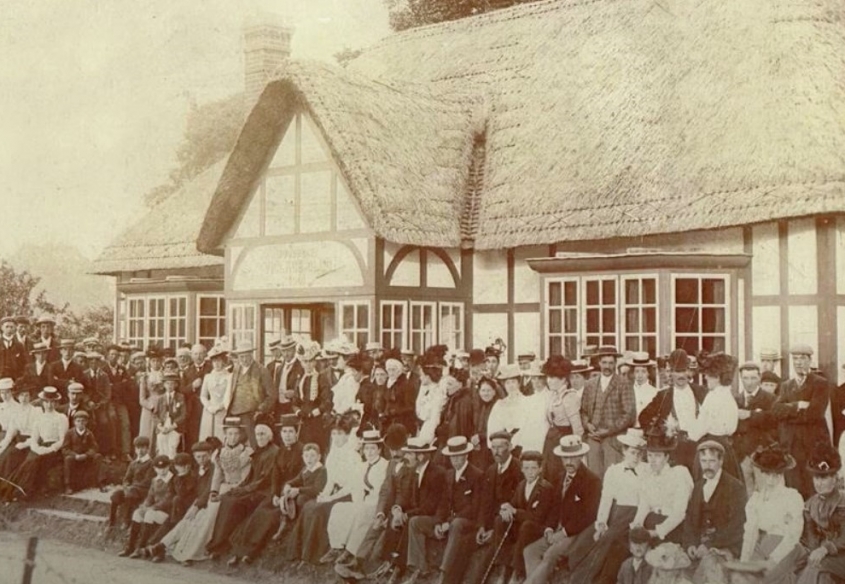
(682, 401)
(715, 516)
(312, 399)
(99, 390)
(65, 369)
(576, 508)
(13, 356)
(455, 517)
(756, 427)
(22, 333)
(46, 327)
(608, 408)
(525, 516)
(169, 414)
(192, 374)
(800, 410)
(37, 372)
(122, 396)
(286, 371)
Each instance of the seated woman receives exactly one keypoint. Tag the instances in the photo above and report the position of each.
(309, 538)
(44, 448)
(15, 444)
(774, 520)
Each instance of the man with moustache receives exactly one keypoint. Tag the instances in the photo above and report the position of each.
(756, 426)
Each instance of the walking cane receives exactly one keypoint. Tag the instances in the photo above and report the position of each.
(496, 553)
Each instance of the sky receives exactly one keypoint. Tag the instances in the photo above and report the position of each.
(93, 97)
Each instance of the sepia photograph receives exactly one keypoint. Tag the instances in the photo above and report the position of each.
(422, 292)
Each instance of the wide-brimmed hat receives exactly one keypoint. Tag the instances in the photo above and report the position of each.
(607, 351)
(557, 366)
(371, 437)
(50, 393)
(773, 459)
(582, 366)
(218, 351)
(418, 445)
(658, 440)
(640, 359)
(571, 446)
(39, 348)
(767, 354)
(373, 346)
(311, 352)
(824, 460)
(457, 445)
(244, 347)
(509, 371)
(718, 365)
(633, 437)
(668, 556)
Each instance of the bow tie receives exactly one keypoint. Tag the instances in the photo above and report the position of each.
(631, 470)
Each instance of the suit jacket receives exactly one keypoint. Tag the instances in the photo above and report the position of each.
(718, 523)
(275, 370)
(497, 489)
(287, 465)
(139, 474)
(161, 493)
(800, 430)
(577, 509)
(310, 483)
(190, 374)
(80, 407)
(97, 386)
(614, 409)
(760, 429)
(204, 486)
(302, 401)
(397, 488)
(627, 575)
(461, 497)
(12, 359)
(76, 444)
(53, 353)
(426, 496)
(38, 380)
(538, 506)
(120, 386)
(61, 375)
(184, 494)
(663, 404)
(262, 401)
(176, 409)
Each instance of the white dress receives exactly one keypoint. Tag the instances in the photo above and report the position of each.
(429, 407)
(535, 423)
(215, 395)
(148, 398)
(508, 414)
(717, 416)
(345, 394)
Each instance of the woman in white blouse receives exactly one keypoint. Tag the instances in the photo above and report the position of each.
(431, 396)
(215, 395)
(508, 414)
(774, 517)
(719, 414)
(45, 447)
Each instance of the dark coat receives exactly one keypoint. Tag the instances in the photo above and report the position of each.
(288, 464)
(397, 488)
(760, 429)
(837, 410)
(190, 374)
(426, 497)
(61, 375)
(497, 489)
(800, 430)
(260, 478)
(176, 409)
(36, 380)
(76, 444)
(13, 359)
(302, 401)
(536, 508)
(461, 497)
(275, 370)
(717, 523)
(578, 508)
(310, 483)
(204, 486)
(184, 494)
(663, 404)
(160, 496)
(139, 474)
(97, 386)
(120, 387)
(456, 419)
(614, 409)
(627, 575)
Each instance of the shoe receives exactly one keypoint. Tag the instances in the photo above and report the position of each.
(233, 561)
(136, 554)
(157, 559)
(345, 558)
(188, 563)
(350, 572)
(247, 560)
(330, 556)
(382, 570)
(280, 532)
(125, 552)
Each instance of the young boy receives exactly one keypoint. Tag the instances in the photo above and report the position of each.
(169, 414)
(81, 455)
(769, 382)
(184, 494)
(635, 570)
(153, 511)
(305, 486)
(136, 483)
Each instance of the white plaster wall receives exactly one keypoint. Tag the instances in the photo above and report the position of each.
(765, 328)
(526, 280)
(408, 271)
(488, 327)
(802, 257)
(804, 327)
(765, 265)
(527, 333)
(490, 273)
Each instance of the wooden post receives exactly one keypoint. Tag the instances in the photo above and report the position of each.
(29, 562)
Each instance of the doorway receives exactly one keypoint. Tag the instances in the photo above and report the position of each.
(306, 322)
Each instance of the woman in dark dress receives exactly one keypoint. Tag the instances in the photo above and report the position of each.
(482, 405)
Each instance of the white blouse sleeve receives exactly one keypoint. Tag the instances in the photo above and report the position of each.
(793, 523)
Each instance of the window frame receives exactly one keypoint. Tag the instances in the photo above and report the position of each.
(247, 334)
(562, 280)
(623, 306)
(726, 306)
(355, 330)
(402, 331)
(460, 339)
(219, 319)
(412, 331)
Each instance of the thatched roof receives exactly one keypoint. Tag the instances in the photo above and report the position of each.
(599, 118)
(165, 237)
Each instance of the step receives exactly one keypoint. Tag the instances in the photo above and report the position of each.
(69, 515)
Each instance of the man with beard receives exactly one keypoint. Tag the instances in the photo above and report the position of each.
(715, 516)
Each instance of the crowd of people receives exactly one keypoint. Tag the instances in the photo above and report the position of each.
(605, 468)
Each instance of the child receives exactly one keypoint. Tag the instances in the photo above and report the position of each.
(81, 455)
(153, 511)
(184, 493)
(769, 382)
(635, 570)
(170, 414)
(305, 487)
(136, 483)
(75, 402)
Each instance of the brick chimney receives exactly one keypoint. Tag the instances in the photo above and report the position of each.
(266, 46)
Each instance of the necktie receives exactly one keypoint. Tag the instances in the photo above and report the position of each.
(368, 487)
(566, 482)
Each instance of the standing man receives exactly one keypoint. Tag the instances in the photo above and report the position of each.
(122, 396)
(756, 426)
(37, 372)
(800, 411)
(46, 327)
(22, 333)
(715, 516)
(287, 371)
(252, 389)
(608, 408)
(681, 401)
(192, 377)
(99, 390)
(12, 354)
(65, 370)
(770, 360)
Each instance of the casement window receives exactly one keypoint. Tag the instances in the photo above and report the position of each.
(242, 324)
(135, 322)
(422, 325)
(419, 325)
(700, 312)
(639, 313)
(157, 320)
(451, 325)
(393, 325)
(355, 322)
(211, 319)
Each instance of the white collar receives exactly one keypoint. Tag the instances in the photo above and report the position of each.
(80, 433)
(460, 472)
(715, 480)
(144, 458)
(504, 467)
(421, 469)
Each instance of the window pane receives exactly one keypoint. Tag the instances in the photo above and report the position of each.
(713, 320)
(632, 320)
(315, 205)
(632, 292)
(571, 347)
(555, 346)
(686, 291)
(649, 320)
(208, 306)
(651, 346)
(349, 317)
(571, 320)
(608, 291)
(686, 320)
(592, 292)
(570, 293)
(632, 344)
(688, 344)
(609, 320)
(386, 316)
(649, 291)
(279, 211)
(208, 328)
(592, 320)
(713, 291)
(555, 322)
(713, 344)
(554, 294)
(363, 316)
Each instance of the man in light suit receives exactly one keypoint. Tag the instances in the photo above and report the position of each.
(608, 408)
(252, 389)
(286, 371)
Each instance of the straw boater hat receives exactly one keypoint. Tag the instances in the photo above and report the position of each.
(50, 394)
(509, 371)
(668, 556)
(526, 356)
(45, 319)
(417, 445)
(371, 437)
(39, 348)
(824, 460)
(170, 377)
(246, 347)
(287, 342)
(770, 355)
(607, 351)
(633, 437)
(772, 459)
(581, 366)
(7, 383)
(232, 422)
(456, 446)
(589, 351)
(571, 446)
(5, 319)
(640, 359)
(67, 344)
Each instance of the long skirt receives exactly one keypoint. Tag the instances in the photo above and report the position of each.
(552, 465)
(147, 423)
(350, 522)
(256, 531)
(212, 425)
(188, 540)
(234, 510)
(12, 458)
(32, 472)
(599, 561)
(310, 537)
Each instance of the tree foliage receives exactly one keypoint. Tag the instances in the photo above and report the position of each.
(406, 14)
(211, 131)
(19, 295)
(94, 321)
